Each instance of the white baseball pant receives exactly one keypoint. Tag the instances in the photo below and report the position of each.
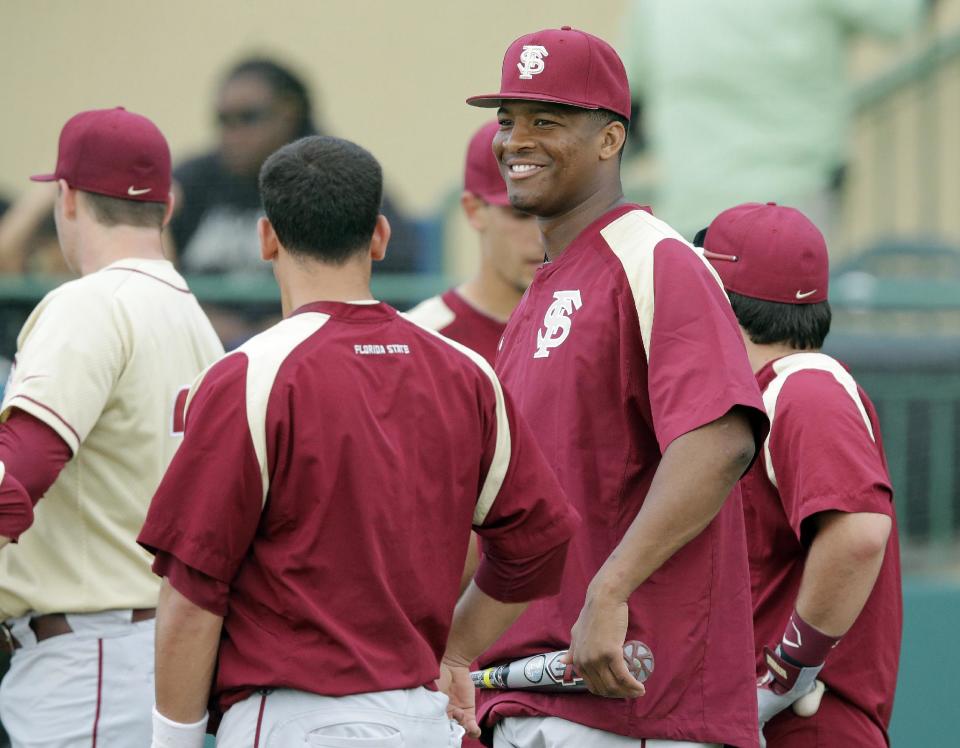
(284, 718)
(553, 732)
(92, 687)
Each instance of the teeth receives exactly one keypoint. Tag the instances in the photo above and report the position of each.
(524, 167)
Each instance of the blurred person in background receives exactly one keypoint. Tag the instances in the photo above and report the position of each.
(28, 235)
(260, 106)
(749, 98)
(476, 313)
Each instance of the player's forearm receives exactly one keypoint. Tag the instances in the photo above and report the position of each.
(478, 621)
(696, 474)
(471, 563)
(841, 569)
(188, 638)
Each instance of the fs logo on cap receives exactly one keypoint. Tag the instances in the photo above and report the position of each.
(531, 61)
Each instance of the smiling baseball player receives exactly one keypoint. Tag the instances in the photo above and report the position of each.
(822, 532)
(511, 250)
(625, 358)
(89, 425)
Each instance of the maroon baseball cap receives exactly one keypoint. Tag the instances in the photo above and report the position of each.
(113, 152)
(563, 66)
(482, 173)
(769, 252)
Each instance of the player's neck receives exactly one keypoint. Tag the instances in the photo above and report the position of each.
(101, 246)
(304, 282)
(761, 355)
(489, 293)
(559, 231)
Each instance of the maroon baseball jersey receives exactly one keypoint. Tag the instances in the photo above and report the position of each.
(620, 346)
(824, 452)
(324, 494)
(451, 315)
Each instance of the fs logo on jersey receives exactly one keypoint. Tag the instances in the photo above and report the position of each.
(531, 61)
(557, 321)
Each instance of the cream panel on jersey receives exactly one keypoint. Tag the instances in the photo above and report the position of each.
(100, 361)
(633, 238)
(432, 313)
(789, 365)
(502, 447)
(265, 353)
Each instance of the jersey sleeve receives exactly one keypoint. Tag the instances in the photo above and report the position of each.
(822, 455)
(528, 525)
(16, 508)
(207, 508)
(697, 368)
(32, 455)
(70, 355)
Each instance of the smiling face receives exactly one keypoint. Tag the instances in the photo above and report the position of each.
(552, 157)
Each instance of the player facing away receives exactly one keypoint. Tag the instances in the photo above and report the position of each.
(89, 426)
(821, 525)
(476, 312)
(313, 528)
(625, 358)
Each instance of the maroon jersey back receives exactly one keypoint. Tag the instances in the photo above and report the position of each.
(824, 453)
(620, 346)
(324, 493)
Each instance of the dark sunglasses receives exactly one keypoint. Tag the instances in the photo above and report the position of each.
(244, 117)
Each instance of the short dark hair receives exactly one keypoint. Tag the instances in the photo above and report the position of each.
(802, 326)
(322, 195)
(115, 211)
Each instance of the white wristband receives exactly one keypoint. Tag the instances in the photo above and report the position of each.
(170, 734)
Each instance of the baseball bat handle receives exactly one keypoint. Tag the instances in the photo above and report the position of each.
(546, 672)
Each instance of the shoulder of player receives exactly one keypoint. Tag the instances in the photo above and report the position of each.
(637, 237)
(80, 297)
(433, 313)
(812, 387)
(457, 353)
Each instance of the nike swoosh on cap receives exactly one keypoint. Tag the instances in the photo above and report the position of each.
(806, 294)
(132, 191)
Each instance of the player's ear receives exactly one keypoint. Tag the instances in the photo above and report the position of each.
(168, 213)
(614, 135)
(269, 243)
(68, 197)
(473, 208)
(380, 238)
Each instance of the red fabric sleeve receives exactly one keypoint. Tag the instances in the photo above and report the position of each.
(203, 591)
(822, 454)
(698, 366)
(207, 507)
(16, 508)
(526, 532)
(33, 454)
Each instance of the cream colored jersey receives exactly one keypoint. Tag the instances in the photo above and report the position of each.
(102, 361)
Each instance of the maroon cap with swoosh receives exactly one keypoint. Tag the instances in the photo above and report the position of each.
(113, 152)
(769, 252)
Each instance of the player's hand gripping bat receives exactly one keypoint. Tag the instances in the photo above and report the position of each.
(545, 672)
